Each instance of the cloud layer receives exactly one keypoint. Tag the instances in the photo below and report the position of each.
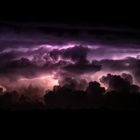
(32, 52)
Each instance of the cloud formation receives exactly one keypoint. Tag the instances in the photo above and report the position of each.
(40, 57)
(120, 83)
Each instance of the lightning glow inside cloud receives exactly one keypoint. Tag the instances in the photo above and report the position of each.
(44, 59)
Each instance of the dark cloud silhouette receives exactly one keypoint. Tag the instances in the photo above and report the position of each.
(121, 94)
(82, 68)
(72, 53)
(128, 64)
(22, 67)
(32, 92)
(120, 83)
(94, 89)
(81, 64)
(95, 96)
(73, 82)
(43, 61)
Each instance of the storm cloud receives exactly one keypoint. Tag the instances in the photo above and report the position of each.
(36, 52)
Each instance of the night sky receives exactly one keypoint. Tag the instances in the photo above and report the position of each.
(40, 52)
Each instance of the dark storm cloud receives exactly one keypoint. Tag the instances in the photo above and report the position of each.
(21, 42)
(117, 64)
(113, 52)
(15, 68)
(77, 54)
(23, 67)
(16, 64)
(31, 34)
(135, 65)
(120, 83)
(24, 55)
(128, 64)
(6, 56)
(73, 82)
(82, 68)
